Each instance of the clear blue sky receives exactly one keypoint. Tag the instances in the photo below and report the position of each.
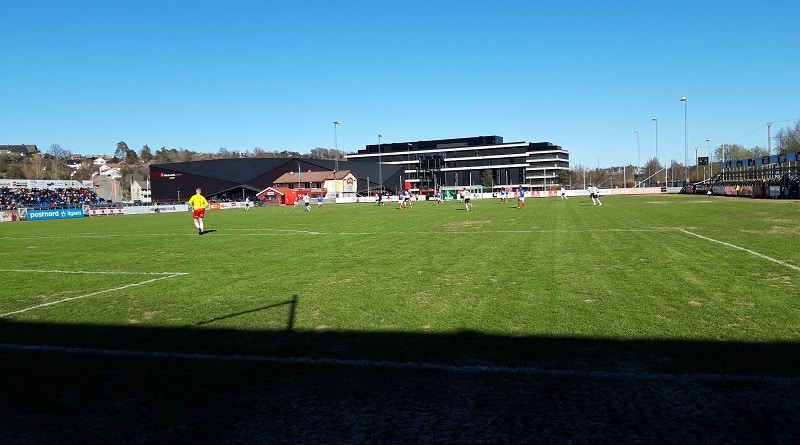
(584, 75)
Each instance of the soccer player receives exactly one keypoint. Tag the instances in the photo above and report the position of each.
(307, 202)
(594, 192)
(597, 196)
(319, 201)
(198, 203)
(521, 198)
(467, 199)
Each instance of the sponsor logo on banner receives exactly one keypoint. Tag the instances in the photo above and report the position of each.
(41, 184)
(8, 215)
(227, 205)
(632, 191)
(105, 211)
(38, 214)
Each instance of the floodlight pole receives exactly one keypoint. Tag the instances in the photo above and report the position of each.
(335, 160)
(655, 121)
(685, 136)
(638, 157)
(380, 166)
(697, 166)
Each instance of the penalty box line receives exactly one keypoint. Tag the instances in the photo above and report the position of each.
(414, 366)
(90, 272)
(161, 276)
(751, 252)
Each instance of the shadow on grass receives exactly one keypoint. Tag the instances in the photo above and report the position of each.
(289, 325)
(465, 348)
(606, 390)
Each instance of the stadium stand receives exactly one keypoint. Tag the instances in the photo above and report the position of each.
(35, 198)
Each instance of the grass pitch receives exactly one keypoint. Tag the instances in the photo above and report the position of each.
(562, 321)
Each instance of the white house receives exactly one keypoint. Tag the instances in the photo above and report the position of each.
(341, 184)
(111, 172)
(139, 193)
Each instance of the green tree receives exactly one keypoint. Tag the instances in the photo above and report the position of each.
(131, 157)
(732, 152)
(487, 181)
(122, 150)
(10, 167)
(145, 154)
(163, 156)
(321, 153)
(788, 139)
(14, 171)
(567, 177)
(757, 152)
(737, 152)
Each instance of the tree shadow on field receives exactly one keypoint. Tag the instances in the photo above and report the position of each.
(78, 383)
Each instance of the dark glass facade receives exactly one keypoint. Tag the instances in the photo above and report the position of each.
(452, 163)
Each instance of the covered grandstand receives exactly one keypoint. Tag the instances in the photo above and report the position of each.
(773, 176)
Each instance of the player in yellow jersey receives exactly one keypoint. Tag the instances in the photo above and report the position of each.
(198, 203)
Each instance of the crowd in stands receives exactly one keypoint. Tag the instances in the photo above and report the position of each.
(35, 198)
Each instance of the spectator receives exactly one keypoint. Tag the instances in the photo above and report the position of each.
(11, 198)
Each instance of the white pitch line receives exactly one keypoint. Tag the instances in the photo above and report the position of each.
(418, 366)
(89, 272)
(38, 306)
(289, 232)
(269, 232)
(752, 252)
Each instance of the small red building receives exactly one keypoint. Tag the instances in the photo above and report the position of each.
(277, 196)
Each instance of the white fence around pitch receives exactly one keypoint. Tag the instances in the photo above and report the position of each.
(123, 209)
(528, 194)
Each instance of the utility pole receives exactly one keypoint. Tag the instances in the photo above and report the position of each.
(769, 138)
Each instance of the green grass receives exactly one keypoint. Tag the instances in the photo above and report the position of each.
(560, 286)
(566, 269)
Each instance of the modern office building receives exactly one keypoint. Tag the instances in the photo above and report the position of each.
(456, 163)
(420, 166)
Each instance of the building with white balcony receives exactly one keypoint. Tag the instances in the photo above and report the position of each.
(457, 163)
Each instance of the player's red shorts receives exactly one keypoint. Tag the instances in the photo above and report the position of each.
(199, 213)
